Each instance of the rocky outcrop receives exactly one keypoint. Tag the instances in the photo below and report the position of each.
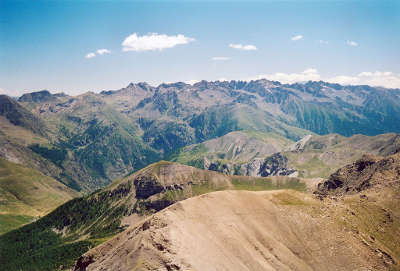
(226, 168)
(147, 186)
(367, 172)
(165, 183)
(83, 262)
(299, 145)
(274, 165)
(251, 168)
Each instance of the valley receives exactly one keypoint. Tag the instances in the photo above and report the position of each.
(177, 135)
(152, 170)
(86, 141)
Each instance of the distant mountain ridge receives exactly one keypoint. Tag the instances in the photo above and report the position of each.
(95, 138)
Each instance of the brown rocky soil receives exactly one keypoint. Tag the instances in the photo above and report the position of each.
(352, 224)
(241, 230)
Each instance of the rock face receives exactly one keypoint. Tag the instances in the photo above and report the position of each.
(147, 186)
(101, 214)
(299, 145)
(365, 173)
(251, 168)
(276, 165)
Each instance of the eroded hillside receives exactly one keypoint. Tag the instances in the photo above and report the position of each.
(273, 230)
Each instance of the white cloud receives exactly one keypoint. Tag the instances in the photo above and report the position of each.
(192, 82)
(306, 75)
(153, 41)
(99, 52)
(323, 41)
(103, 51)
(344, 80)
(220, 58)
(378, 78)
(375, 74)
(298, 37)
(352, 43)
(12, 93)
(248, 47)
(90, 55)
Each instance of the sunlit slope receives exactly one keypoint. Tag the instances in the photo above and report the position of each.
(26, 194)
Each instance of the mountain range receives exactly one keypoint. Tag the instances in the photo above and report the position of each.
(89, 140)
(85, 178)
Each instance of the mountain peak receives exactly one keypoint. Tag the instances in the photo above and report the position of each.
(38, 96)
(143, 85)
(177, 85)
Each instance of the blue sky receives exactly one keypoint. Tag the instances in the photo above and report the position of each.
(45, 44)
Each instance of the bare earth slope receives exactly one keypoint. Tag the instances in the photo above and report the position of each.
(237, 230)
(354, 229)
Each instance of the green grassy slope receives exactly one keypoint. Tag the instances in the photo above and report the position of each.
(26, 194)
